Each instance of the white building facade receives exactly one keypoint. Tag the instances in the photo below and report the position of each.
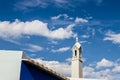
(76, 67)
(77, 60)
(10, 64)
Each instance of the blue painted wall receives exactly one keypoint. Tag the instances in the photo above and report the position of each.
(25, 73)
(32, 72)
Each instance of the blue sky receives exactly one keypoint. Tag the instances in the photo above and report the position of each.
(46, 29)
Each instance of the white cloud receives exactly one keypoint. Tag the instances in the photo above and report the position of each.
(60, 67)
(104, 63)
(17, 29)
(90, 17)
(32, 55)
(52, 42)
(116, 69)
(85, 36)
(56, 17)
(88, 71)
(61, 33)
(25, 4)
(64, 16)
(80, 20)
(68, 60)
(111, 36)
(83, 42)
(84, 59)
(105, 69)
(34, 48)
(65, 4)
(91, 72)
(63, 49)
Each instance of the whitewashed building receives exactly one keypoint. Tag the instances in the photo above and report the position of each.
(76, 67)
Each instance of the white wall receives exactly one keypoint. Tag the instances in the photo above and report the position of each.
(76, 68)
(10, 64)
